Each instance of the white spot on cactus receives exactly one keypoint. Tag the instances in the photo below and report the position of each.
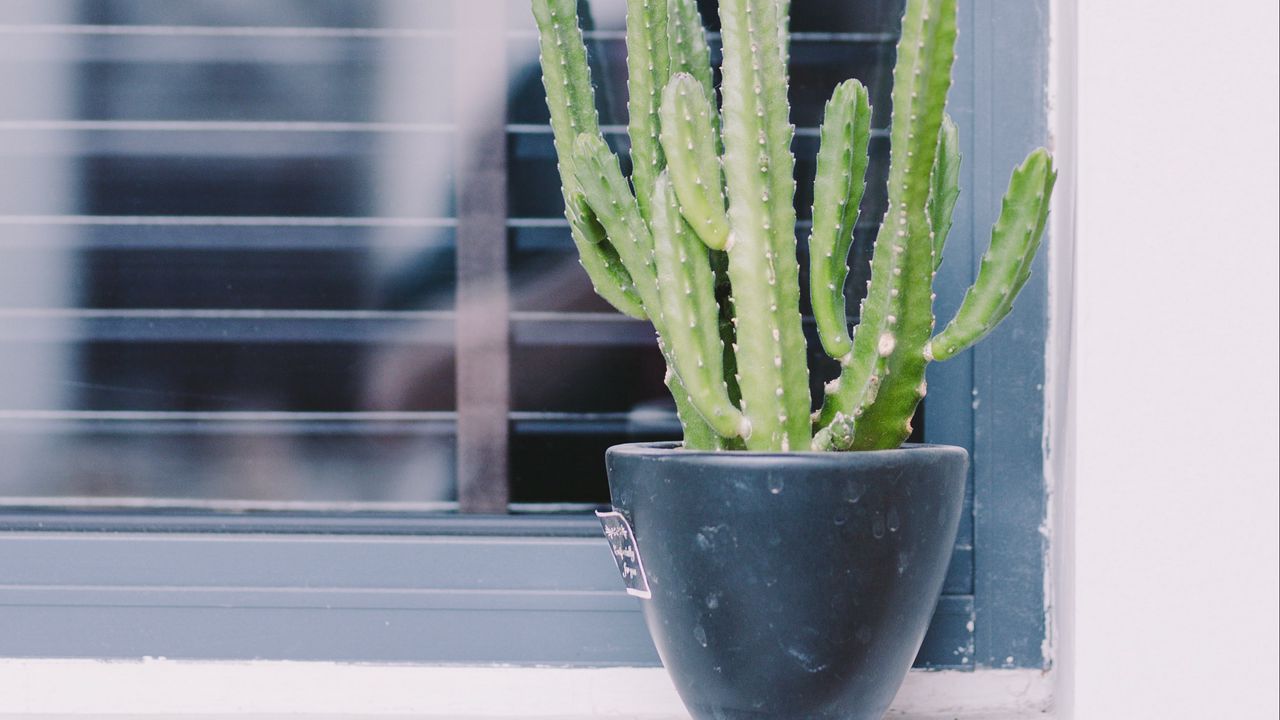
(928, 352)
(886, 344)
(922, 389)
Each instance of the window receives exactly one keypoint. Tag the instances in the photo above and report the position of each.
(284, 286)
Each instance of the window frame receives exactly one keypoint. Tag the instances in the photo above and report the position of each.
(400, 587)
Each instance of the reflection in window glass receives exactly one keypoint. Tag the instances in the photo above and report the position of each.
(227, 248)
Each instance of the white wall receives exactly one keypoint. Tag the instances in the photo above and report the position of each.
(1175, 607)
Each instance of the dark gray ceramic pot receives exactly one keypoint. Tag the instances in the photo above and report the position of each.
(787, 585)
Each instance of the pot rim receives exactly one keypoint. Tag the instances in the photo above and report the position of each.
(671, 449)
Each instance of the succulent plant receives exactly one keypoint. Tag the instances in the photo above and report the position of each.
(702, 239)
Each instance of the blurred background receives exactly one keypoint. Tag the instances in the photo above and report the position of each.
(229, 241)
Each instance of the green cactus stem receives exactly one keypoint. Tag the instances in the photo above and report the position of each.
(688, 139)
(688, 47)
(571, 100)
(648, 68)
(698, 433)
(606, 190)
(610, 279)
(944, 186)
(837, 195)
(1007, 263)
(690, 316)
(763, 270)
(897, 314)
(691, 55)
(837, 436)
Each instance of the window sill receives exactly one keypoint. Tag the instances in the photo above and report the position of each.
(298, 690)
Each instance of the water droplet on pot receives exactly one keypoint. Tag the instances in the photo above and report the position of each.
(700, 635)
(775, 484)
(853, 491)
(841, 517)
(892, 520)
(877, 527)
(713, 600)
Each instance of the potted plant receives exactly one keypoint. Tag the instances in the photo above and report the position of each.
(789, 559)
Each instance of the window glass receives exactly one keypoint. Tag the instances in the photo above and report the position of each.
(229, 248)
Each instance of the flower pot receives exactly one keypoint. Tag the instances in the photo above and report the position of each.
(785, 585)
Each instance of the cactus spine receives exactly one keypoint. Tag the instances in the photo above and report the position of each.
(702, 240)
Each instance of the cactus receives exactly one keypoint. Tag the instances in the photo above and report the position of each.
(702, 240)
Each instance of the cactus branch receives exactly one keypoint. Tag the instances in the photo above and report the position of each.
(897, 314)
(837, 194)
(609, 277)
(837, 436)
(763, 269)
(944, 186)
(1007, 262)
(688, 46)
(604, 188)
(690, 54)
(565, 73)
(648, 68)
(690, 316)
(886, 422)
(728, 333)
(571, 100)
(688, 140)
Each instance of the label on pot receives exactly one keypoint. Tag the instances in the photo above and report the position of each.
(622, 541)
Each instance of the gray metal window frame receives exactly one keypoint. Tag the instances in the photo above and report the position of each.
(542, 589)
